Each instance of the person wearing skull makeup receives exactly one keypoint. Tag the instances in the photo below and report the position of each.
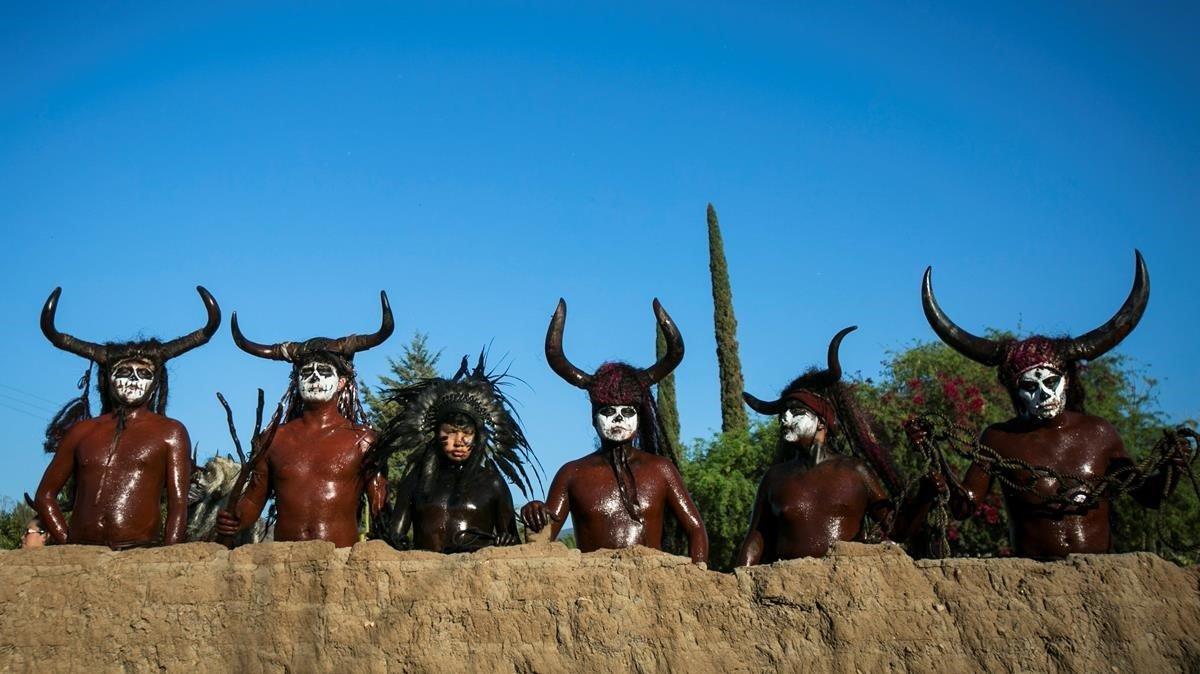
(1051, 430)
(124, 460)
(461, 437)
(814, 495)
(321, 462)
(619, 495)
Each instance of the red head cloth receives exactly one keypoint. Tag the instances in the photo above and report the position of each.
(820, 406)
(618, 384)
(1026, 354)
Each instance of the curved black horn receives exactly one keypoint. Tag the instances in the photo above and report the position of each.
(269, 351)
(1097, 342)
(351, 345)
(979, 349)
(674, 354)
(771, 408)
(182, 345)
(835, 364)
(554, 350)
(89, 350)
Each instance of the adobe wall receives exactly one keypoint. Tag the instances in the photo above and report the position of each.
(298, 607)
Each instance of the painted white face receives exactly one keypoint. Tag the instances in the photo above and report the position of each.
(319, 382)
(132, 380)
(799, 424)
(1042, 392)
(616, 423)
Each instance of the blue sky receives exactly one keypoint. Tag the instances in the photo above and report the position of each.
(479, 161)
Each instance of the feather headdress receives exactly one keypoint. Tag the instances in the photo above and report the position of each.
(476, 394)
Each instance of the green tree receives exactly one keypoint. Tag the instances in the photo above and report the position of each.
(668, 409)
(13, 518)
(722, 475)
(733, 412)
(416, 362)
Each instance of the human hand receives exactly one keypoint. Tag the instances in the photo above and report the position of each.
(536, 515)
(228, 524)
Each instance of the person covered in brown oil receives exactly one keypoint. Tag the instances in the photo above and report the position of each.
(124, 461)
(1055, 511)
(321, 463)
(816, 495)
(619, 495)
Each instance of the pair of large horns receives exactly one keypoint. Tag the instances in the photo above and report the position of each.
(100, 352)
(577, 377)
(345, 346)
(1087, 347)
(827, 377)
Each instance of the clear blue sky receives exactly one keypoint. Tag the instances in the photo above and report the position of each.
(479, 161)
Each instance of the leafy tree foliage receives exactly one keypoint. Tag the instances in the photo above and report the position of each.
(13, 519)
(733, 412)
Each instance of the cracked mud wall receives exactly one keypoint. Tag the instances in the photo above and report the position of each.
(301, 607)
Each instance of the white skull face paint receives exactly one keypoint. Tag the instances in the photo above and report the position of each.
(799, 424)
(1042, 392)
(131, 380)
(616, 423)
(319, 382)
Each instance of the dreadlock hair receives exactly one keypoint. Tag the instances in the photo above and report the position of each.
(848, 430)
(349, 404)
(74, 411)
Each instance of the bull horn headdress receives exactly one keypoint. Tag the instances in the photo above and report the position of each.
(563, 367)
(101, 353)
(344, 346)
(822, 379)
(1090, 346)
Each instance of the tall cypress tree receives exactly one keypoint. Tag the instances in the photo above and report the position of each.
(668, 409)
(733, 414)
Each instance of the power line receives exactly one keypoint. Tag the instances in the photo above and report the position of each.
(27, 393)
(25, 412)
(36, 406)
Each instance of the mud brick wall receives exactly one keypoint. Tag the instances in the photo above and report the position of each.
(299, 607)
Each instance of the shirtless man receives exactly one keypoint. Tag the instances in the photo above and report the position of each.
(320, 463)
(619, 495)
(818, 496)
(1050, 430)
(459, 435)
(124, 460)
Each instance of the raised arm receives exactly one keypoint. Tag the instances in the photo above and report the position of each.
(967, 494)
(553, 511)
(57, 473)
(754, 546)
(179, 475)
(680, 502)
(257, 489)
(1157, 485)
(376, 476)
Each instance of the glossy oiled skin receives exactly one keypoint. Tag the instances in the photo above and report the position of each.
(483, 505)
(1071, 443)
(119, 506)
(587, 489)
(315, 467)
(801, 509)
